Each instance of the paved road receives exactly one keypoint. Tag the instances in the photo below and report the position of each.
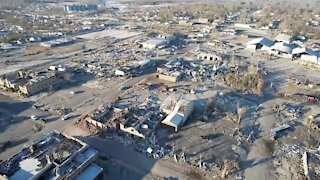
(20, 130)
(136, 161)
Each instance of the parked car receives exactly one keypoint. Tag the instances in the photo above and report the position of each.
(312, 99)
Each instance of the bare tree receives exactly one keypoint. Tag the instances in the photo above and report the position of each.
(213, 35)
(225, 169)
(241, 111)
(165, 15)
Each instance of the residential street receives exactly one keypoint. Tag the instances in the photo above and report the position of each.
(135, 161)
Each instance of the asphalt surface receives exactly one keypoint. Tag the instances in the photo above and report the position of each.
(16, 125)
(135, 161)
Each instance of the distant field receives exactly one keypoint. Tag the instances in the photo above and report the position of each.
(4, 4)
(16, 3)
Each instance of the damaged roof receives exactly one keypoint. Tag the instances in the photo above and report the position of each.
(173, 120)
(283, 47)
(283, 38)
(304, 51)
(263, 41)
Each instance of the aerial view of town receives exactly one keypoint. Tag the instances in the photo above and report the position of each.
(159, 89)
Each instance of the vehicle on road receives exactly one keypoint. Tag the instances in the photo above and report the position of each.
(68, 116)
(33, 117)
(42, 120)
(5, 145)
(124, 87)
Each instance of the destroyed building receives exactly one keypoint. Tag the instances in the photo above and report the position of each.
(11, 81)
(53, 156)
(138, 119)
(182, 70)
(29, 82)
(131, 68)
(311, 164)
(178, 111)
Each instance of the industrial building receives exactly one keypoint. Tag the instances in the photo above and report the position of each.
(11, 81)
(306, 54)
(53, 156)
(80, 7)
(260, 43)
(29, 82)
(283, 49)
(283, 38)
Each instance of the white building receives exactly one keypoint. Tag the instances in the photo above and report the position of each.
(178, 111)
(306, 54)
(209, 57)
(154, 43)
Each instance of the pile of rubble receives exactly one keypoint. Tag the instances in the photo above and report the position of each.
(183, 70)
(287, 110)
